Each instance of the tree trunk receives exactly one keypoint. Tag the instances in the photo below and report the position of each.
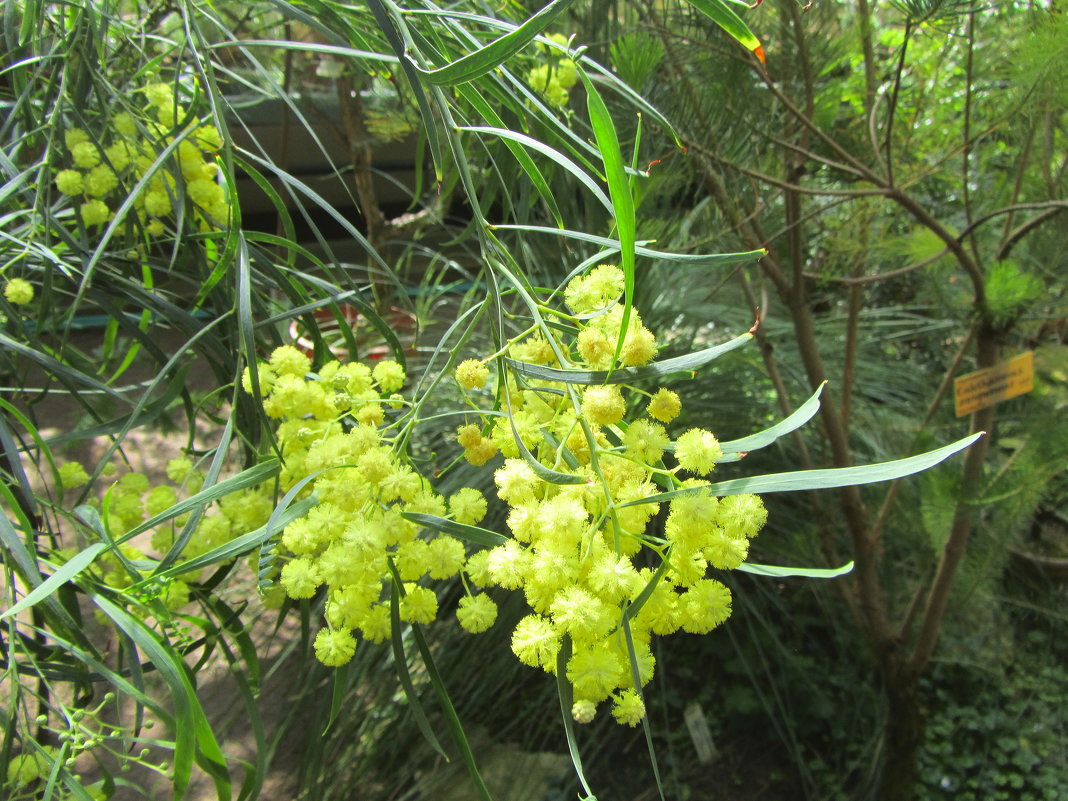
(902, 736)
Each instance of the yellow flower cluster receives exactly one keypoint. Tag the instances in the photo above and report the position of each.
(333, 428)
(556, 76)
(18, 291)
(102, 170)
(580, 538)
(132, 499)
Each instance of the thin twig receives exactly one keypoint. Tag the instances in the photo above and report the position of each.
(891, 110)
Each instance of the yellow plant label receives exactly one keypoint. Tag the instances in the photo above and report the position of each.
(1002, 381)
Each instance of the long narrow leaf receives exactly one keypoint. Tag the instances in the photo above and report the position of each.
(541, 471)
(480, 105)
(821, 479)
(678, 364)
(246, 478)
(566, 694)
(194, 740)
(239, 546)
(479, 536)
(722, 14)
(64, 573)
(411, 72)
(54, 367)
(842, 476)
(455, 726)
(785, 572)
(604, 131)
(613, 246)
(488, 58)
(764, 438)
(549, 153)
(401, 663)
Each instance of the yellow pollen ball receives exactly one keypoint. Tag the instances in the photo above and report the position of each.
(472, 374)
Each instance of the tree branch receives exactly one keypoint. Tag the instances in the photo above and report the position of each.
(987, 350)
(781, 184)
(1015, 236)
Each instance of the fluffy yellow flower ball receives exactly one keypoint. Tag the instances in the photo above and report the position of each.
(100, 180)
(628, 708)
(389, 375)
(698, 451)
(69, 182)
(665, 405)
(334, 648)
(85, 155)
(603, 405)
(18, 291)
(476, 613)
(124, 124)
(472, 374)
(95, 212)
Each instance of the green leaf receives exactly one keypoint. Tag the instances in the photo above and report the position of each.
(456, 728)
(525, 161)
(820, 479)
(117, 680)
(541, 471)
(304, 190)
(197, 513)
(786, 572)
(305, 47)
(194, 739)
(340, 688)
(842, 476)
(389, 26)
(764, 438)
(566, 694)
(239, 545)
(479, 536)
(143, 414)
(64, 573)
(647, 591)
(637, 686)
(22, 491)
(613, 246)
(401, 663)
(625, 375)
(13, 542)
(74, 379)
(721, 14)
(604, 131)
(488, 58)
(549, 153)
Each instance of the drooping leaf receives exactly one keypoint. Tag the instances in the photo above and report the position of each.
(785, 572)
(722, 14)
(485, 59)
(612, 247)
(64, 573)
(623, 375)
(829, 478)
(762, 439)
(479, 536)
